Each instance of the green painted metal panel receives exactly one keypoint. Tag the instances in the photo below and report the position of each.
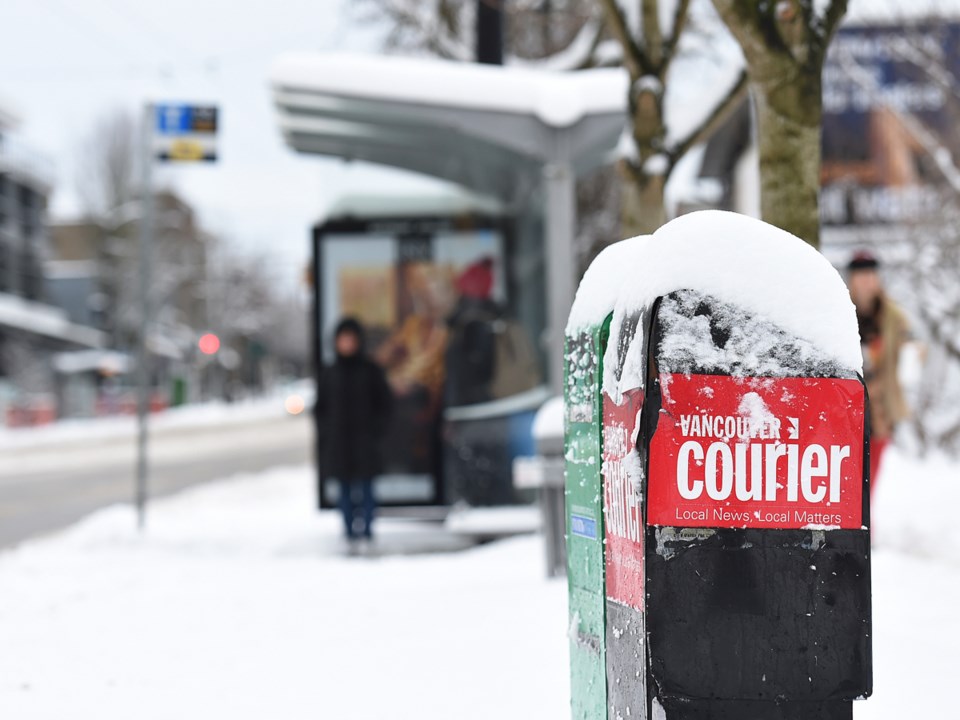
(585, 532)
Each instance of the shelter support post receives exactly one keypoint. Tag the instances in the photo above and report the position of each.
(561, 217)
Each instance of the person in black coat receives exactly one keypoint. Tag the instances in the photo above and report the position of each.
(353, 407)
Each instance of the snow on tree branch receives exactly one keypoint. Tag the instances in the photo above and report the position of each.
(736, 95)
(634, 57)
(681, 12)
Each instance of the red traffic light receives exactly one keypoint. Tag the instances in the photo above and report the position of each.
(209, 344)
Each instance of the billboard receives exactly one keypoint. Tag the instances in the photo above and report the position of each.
(889, 130)
(404, 280)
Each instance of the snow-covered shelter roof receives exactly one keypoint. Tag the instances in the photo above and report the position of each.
(736, 259)
(486, 127)
(558, 99)
(8, 119)
(442, 201)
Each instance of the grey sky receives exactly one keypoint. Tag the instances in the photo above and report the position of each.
(67, 63)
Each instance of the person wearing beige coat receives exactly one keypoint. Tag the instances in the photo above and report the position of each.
(883, 331)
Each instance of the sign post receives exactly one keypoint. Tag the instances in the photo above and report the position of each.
(172, 132)
(143, 354)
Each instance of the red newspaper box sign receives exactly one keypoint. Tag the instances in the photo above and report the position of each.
(784, 453)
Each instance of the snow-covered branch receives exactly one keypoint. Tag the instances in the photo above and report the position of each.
(681, 12)
(736, 95)
(652, 34)
(634, 57)
(831, 20)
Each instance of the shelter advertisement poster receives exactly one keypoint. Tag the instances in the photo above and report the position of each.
(890, 129)
(781, 453)
(404, 287)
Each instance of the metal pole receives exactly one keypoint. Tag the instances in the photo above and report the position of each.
(490, 32)
(561, 212)
(143, 356)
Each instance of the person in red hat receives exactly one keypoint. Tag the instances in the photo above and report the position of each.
(471, 354)
(883, 332)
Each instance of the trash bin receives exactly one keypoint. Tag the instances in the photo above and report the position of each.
(717, 480)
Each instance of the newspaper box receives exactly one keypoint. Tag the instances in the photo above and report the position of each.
(717, 480)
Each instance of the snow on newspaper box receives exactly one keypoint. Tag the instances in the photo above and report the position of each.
(717, 489)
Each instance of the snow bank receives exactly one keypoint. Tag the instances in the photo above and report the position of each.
(125, 426)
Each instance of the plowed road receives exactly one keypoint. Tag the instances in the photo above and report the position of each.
(51, 485)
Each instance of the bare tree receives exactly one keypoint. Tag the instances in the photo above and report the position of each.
(651, 151)
(240, 294)
(106, 179)
(931, 274)
(785, 44)
(561, 35)
(564, 34)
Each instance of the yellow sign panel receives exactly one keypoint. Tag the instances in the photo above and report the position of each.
(186, 149)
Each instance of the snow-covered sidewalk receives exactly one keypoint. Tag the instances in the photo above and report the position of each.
(238, 603)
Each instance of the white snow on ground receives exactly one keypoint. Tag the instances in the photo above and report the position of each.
(238, 603)
(121, 426)
(916, 507)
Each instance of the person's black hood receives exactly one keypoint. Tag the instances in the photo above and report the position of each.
(351, 325)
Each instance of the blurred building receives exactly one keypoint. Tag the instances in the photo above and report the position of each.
(93, 274)
(32, 330)
(93, 268)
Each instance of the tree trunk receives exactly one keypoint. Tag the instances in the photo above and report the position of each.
(642, 207)
(785, 44)
(642, 198)
(788, 136)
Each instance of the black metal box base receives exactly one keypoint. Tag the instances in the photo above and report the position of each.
(755, 710)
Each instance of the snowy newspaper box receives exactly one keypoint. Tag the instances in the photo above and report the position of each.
(717, 488)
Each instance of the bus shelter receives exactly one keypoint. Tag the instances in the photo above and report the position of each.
(514, 141)
(518, 135)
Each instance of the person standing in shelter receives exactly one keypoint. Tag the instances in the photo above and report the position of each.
(353, 406)
(489, 356)
(883, 332)
(471, 352)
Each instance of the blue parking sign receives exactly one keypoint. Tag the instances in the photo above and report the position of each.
(173, 119)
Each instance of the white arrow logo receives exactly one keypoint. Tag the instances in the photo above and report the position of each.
(794, 428)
